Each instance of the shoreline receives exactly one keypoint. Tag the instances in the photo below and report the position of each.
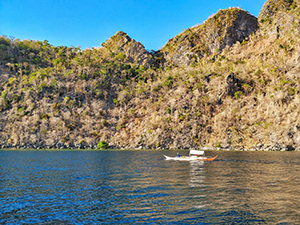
(88, 148)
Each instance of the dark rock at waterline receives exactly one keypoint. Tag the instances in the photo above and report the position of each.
(290, 148)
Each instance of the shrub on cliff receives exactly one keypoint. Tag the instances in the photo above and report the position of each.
(102, 145)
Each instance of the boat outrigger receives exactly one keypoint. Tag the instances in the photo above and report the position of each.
(194, 155)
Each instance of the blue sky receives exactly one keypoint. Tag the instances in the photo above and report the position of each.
(88, 23)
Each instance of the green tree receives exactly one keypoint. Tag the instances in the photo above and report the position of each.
(102, 145)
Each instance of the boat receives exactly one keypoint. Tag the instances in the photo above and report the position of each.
(193, 156)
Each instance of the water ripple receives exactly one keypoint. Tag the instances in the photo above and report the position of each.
(139, 187)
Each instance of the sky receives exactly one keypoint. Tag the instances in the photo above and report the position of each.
(89, 23)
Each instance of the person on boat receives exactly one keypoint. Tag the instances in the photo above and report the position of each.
(178, 155)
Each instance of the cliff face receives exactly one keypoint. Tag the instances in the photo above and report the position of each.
(231, 82)
(271, 8)
(280, 18)
(223, 29)
(280, 27)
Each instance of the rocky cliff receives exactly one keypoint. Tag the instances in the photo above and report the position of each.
(221, 30)
(127, 50)
(280, 17)
(232, 82)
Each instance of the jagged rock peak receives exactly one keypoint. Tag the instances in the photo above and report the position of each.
(220, 30)
(279, 18)
(272, 7)
(118, 40)
(133, 51)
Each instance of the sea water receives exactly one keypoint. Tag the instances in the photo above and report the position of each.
(140, 187)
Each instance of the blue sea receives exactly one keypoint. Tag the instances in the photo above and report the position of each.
(140, 187)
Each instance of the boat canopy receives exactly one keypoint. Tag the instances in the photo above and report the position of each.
(196, 152)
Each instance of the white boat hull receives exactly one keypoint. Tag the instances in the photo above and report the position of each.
(189, 158)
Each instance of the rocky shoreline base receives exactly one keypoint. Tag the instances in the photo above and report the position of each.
(62, 146)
